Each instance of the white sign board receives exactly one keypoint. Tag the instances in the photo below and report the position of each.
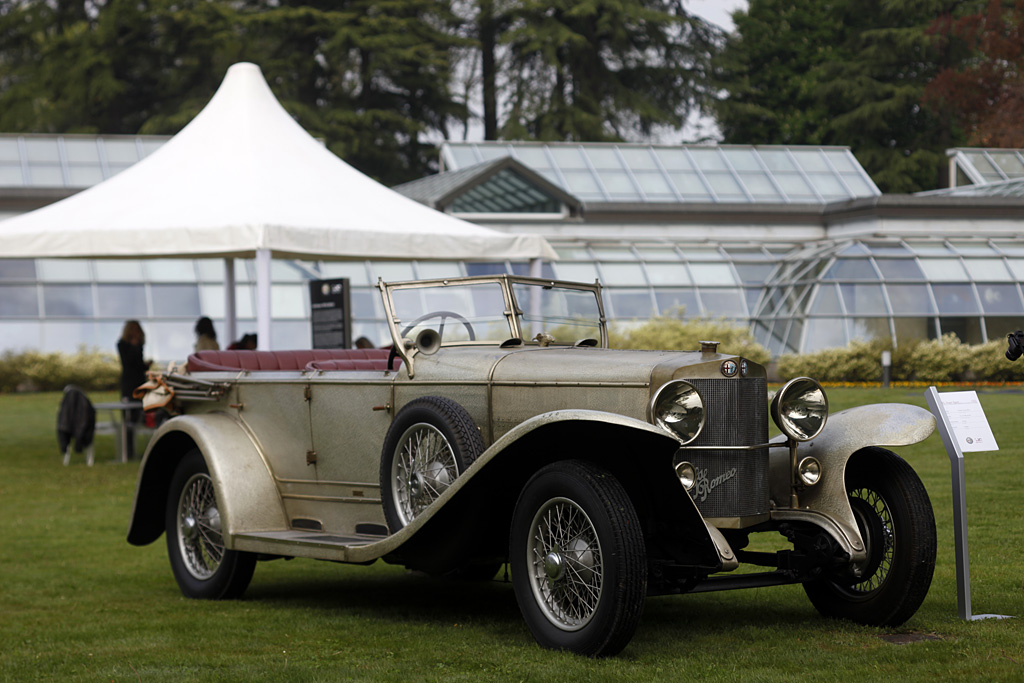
(968, 422)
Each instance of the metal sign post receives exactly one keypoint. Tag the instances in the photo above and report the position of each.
(963, 426)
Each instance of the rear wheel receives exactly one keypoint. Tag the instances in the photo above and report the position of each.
(578, 560)
(202, 566)
(896, 522)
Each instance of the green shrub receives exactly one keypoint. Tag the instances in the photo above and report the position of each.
(937, 360)
(52, 371)
(667, 333)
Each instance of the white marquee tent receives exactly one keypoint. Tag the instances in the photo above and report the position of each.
(244, 180)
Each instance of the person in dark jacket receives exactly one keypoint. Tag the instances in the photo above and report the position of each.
(206, 336)
(133, 373)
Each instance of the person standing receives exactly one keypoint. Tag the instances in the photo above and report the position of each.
(133, 373)
(206, 336)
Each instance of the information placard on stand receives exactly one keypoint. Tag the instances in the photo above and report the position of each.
(964, 428)
(330, 316)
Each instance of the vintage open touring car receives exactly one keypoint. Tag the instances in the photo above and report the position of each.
(499, 428)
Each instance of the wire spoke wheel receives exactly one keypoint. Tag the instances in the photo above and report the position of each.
(578, 560)
(199, 534)
(875, 521)
(566, 573)
(895, 520)
(202, 564)
(424, 467)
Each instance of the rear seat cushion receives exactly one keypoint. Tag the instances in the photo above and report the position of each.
(233, 361)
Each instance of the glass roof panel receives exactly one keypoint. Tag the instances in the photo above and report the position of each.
(754, 273)
(1000, 299)
(1008, 161)
(910, 299)
(568, 157)
(826, 301)
(955, 299)
(639, 158)
(899, 269)
(667, 274)
(677, 302)
(1017, 268)
(887, 248)
(576, 272)
(674, 158)
(701, 253)
(658, 253)
(725, 185)
(863, 299)
(930, 248)
(842, 161)
(11, 176)
(712, 274)
(742, 159)
(64, 270)
(613, 254)
(583, 184)
(534, 157)
(811, 161)
(82, 151)
(850, 269)
(825, 333)
(42, 149)
(944, 270)
(45, 176)
(987, 270)
(85, 176)
(121, 151)
(9, 150)
(761, 187)
(723, 302)
(972, 247)
(622, 274)
(690, 185)
(736, 173)
(604, 158)
(654, 184)
(18, 301)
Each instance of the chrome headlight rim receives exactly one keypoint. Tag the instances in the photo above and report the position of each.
(669, 391)
(796, 389)
(809, 471)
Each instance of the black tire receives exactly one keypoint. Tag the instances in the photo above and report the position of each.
(202, 566)
(578, 561)
(896, 521)
(430, 443)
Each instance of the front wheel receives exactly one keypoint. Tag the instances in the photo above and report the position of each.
(578, 560)
(896, 522)
(202, 566)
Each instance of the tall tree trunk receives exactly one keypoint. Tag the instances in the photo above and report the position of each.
(487, 26)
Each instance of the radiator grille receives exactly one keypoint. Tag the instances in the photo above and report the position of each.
(732, 483)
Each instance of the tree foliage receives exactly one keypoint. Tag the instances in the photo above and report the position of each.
(983, 89)
(372, 78)
(842, 72)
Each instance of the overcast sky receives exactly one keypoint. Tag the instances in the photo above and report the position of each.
(716, 11)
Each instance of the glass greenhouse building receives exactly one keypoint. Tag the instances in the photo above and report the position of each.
(796, 242)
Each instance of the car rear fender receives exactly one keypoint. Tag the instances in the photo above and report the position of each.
(638, 454)
(883, 425)
(231, 456)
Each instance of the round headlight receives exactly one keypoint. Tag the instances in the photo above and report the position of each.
(679, 409)
(687, 474)
(809, 471)
(800, 409)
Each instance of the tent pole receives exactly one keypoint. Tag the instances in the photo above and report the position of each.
(230, 317)
(263, 299)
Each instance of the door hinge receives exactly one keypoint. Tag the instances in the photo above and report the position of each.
(310, 457)
(308, 393)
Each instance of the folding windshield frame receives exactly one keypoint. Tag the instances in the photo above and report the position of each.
(513, 312)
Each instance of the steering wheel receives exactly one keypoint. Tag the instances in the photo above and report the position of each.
(443, 315)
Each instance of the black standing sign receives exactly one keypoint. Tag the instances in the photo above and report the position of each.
(332, 321)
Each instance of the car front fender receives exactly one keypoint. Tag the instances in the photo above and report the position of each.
(246, 494)
(883, 425)
(637, 453)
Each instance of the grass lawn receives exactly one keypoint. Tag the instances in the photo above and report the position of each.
(78, 603)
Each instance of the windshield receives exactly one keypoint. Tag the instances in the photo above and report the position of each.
(457, 312)
(565, 313)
